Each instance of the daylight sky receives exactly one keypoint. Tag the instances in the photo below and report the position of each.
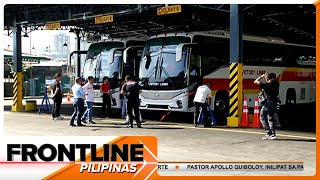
(39, 39)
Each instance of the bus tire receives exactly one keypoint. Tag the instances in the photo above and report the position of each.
(221, 106)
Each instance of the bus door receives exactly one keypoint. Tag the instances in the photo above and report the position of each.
(131, 61)
(194, 74)
(76, 66)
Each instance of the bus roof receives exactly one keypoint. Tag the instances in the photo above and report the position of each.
(226, 34)
(124, 40)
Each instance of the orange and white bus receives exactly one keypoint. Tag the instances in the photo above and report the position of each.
(173, 65)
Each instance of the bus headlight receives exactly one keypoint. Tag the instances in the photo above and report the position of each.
(179, 103)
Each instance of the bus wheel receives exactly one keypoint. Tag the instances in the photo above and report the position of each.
(221, 106)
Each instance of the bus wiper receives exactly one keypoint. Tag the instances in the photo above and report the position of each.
(156, 68)
(161, 67)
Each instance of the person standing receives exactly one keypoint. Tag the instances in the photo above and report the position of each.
(78, 102)
(271, 90)
(88, 88)
(131, 90)
(124, 103)
(106, 101)
(203, 93)
(57, 97)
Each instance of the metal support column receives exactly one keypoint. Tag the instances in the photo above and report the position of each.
(78, 57)
(17, 75)
(235, 76)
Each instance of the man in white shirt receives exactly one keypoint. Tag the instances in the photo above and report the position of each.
(203, 92)
(78, 102)
(88, 88)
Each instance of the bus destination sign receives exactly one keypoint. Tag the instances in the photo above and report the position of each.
(52, 26)
(169, 10)
(103, 19)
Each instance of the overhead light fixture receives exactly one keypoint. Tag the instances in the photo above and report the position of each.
(65, 44)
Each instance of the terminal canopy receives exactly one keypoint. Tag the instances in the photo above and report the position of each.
(293, 23)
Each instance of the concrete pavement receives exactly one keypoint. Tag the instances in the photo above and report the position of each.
(182, 142)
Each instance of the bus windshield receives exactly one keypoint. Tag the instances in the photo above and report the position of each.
(97, 65)
(89, 68)
(163, 69)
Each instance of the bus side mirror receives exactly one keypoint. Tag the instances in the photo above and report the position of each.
(125, 55)
(148, 61)
(111, 54)
(126, 52)
(179, 50)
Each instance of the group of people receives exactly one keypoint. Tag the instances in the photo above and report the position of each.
(268, 115)
(85, 94)
(130, 98)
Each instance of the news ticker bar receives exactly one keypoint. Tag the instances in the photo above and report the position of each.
(230, 166)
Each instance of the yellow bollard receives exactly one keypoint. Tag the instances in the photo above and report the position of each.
(31, 105)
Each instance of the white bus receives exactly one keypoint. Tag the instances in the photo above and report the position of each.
(105, 58)
(173, 65)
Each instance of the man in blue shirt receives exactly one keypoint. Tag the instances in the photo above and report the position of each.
(78, 102)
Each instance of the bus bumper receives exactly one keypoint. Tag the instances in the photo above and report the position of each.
(178, 104)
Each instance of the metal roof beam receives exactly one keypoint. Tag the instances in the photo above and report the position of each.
(211, 8)
(248, 7)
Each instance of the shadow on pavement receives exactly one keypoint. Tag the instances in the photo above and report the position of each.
(134, 127)
(300, 140)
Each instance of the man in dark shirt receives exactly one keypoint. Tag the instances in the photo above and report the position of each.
(271, 89)
(57, 97)
(131, 90)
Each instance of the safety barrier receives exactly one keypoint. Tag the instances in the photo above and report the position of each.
(245, 120)
(245, 114)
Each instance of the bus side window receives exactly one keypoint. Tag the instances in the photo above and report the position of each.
(303, 94)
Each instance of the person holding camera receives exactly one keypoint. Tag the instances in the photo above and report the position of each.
(57, 97)
(203, 93)
(269, 105)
